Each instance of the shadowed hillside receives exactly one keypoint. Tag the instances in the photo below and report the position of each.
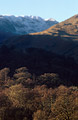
(61, 39)
(53, 50)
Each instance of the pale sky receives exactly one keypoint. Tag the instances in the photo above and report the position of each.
(57, 9)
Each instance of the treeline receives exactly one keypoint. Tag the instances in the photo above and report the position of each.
(24, 77)
(25, 96)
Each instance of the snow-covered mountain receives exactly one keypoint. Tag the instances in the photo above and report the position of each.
(24, 24)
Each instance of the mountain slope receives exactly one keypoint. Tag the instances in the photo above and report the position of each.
(61, 38)
(67, 27)
(13, 25)
(49, 51)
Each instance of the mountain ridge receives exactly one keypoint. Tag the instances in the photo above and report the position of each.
(61, 38)
(60, 26)
(24, 24)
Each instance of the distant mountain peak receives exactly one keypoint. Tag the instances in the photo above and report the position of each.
(27, 16)
(20, 25)
(50, 19)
